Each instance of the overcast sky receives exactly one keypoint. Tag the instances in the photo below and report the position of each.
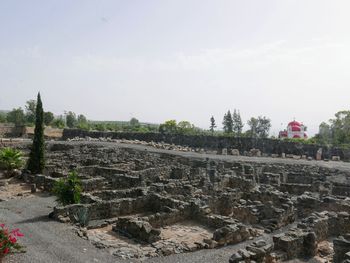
(179, 59)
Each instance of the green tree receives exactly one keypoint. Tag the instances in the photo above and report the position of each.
(100, 127)
(228, 122)
(71, 119)
(259, 127)
(169, 126)
(48, 118)
(134, 124)
(30, 111)
(3, 117)
(237, 122)
(338, 131)
(212, 124)
(81, 119)
(253, 124)
(16, 116)
(264, 125)
(185, 127)
(82, 122)
(58, 123)
(36, 162)
(324, 133)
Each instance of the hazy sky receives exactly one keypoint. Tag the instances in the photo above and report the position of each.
(180, 59)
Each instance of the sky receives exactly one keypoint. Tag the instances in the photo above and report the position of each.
(181, 59)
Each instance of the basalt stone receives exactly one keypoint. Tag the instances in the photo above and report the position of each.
(235, 258)
(231, 234)
(341, 247)
(310, 245)
(138, 229)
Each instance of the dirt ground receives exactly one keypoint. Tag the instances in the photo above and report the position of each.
(12, 188)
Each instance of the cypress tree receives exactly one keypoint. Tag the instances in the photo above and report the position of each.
(228, 122)
(212, 124)
(36, 160)
(237, 122)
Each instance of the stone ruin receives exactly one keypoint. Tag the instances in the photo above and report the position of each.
(140, 203)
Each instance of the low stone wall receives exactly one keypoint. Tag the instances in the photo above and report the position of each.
(267, 146)
(10, 130)
(49, 132)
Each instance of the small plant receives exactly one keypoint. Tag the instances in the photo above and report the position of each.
(10, 159)
(68, 190)
(82, 216)
(8, 241)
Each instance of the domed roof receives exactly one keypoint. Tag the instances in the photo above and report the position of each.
(296, 136)
(296, 128)
(294, 123)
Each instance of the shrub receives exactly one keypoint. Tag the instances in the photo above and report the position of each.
(10, 159)
(68, 190)
(8, 240)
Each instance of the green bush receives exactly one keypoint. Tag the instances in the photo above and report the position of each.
(68, 190)
(10, 159)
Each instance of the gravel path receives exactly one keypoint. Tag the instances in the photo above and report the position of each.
(47, 240)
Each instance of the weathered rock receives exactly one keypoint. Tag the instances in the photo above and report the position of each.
(341, 247)
(235, 258)
(138, 229)
(231, 234)
(235, 152)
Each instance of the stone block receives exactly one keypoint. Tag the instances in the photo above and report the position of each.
(335, 158)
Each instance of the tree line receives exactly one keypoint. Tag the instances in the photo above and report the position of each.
(232, 123)
(18, 116)
(70, 119)
(336, 131)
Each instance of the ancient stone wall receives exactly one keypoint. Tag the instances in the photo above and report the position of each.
(10, 130)
(267, 146)
(150, 198)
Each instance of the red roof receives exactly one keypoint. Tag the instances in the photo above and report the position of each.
(296, 128)
(283, 134)
(294, 123)
(296, 136)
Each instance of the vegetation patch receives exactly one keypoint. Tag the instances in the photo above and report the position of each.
(68, 190)
(10, 159)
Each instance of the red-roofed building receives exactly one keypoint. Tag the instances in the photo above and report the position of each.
(294, 130)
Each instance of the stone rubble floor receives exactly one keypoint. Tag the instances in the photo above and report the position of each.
(182, 237)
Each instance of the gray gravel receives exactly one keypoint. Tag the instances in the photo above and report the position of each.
(47, 240)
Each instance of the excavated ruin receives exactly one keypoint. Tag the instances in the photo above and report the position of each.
(142, 203)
